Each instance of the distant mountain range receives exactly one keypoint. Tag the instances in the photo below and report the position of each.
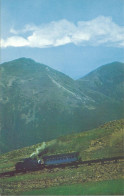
(38, 103)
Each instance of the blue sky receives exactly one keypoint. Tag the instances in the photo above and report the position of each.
(72, 36)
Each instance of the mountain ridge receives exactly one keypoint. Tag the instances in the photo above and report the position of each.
(102, 66)
(32, 60)
(38, 103)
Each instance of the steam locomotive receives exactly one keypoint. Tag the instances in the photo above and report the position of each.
(28, 164)
(51, 161)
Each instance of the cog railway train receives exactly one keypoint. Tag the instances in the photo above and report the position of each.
(56, 161)
(59, 160)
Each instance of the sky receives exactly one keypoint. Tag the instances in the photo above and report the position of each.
(71, 36)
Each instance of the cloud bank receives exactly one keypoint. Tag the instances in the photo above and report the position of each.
(99, 31)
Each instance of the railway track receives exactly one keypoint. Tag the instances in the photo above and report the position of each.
(89, 162)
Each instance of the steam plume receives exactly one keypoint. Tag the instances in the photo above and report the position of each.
(40, 148)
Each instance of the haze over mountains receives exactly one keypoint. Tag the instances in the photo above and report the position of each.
(38, 103)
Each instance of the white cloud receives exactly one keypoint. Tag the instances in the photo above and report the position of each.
(15, 41)
(99, 31)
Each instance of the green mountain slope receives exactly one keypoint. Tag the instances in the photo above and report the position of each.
(108, 80)
(105, 141)
(38, 103)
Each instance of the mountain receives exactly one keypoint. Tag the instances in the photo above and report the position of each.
(38, 103)
(105, 86)
(108, 80)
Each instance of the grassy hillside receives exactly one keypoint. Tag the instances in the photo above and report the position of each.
(112, 187)
(105, 141)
